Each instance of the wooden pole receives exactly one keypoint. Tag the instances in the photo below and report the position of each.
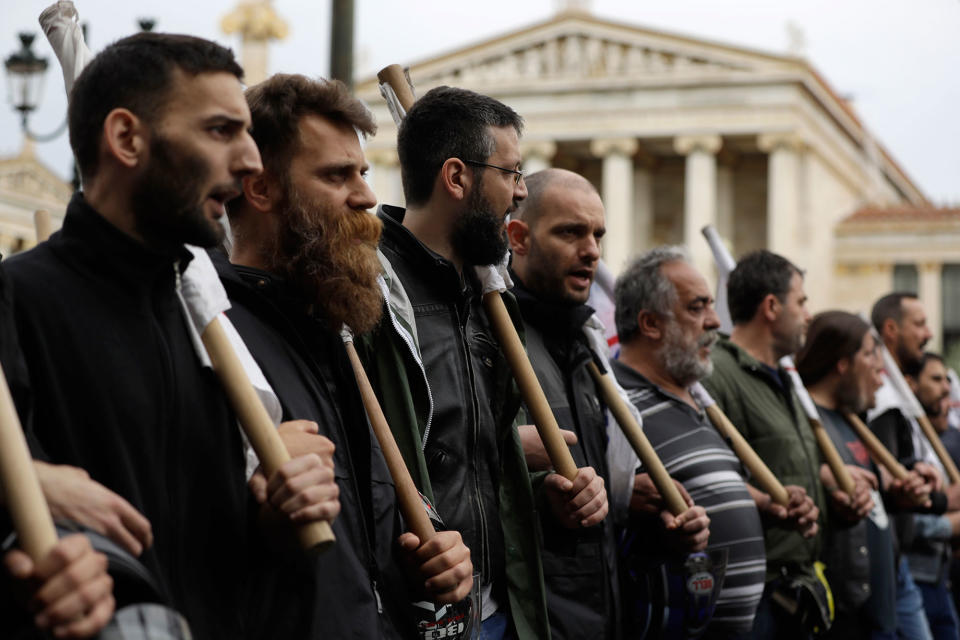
(43, 225)
(530, 389)
(939, 449)
(759, 471)
(638, 440)
(256, 422)
(840, 472)
(879, 452)
(411, 506)
(24, 497)
(396, 77)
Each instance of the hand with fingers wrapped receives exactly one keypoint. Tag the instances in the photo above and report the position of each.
(581, 503)
(69, 590)
(442, 566)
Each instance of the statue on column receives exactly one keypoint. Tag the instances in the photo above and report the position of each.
(257, 23)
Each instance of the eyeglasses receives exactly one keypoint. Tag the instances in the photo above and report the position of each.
(517, 175)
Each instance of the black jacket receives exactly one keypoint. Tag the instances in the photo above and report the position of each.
(579, 566)
(336, 594)
(470, 384)
(120, 392)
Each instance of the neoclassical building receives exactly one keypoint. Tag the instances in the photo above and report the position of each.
(26, 185)
(679, 132)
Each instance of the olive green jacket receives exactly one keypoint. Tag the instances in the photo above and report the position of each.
(777, 428)
(391, 355)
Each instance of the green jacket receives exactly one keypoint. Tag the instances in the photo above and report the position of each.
(391, 355)
(777, 428)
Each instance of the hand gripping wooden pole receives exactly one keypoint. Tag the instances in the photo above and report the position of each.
(530, 388)
(759, 471)
(411, 506)
(638, 440)
(879, 452)
(939, 449)
(256, 422)
(24, 498)
(41, 222)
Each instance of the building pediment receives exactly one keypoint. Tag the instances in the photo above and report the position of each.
(23, 177)
(580, 49)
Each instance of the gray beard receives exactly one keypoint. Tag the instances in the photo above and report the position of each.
(682, 362)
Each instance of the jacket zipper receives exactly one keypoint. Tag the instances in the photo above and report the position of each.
(475, 426)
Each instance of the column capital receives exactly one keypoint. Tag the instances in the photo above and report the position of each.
(602, 147)
(769, 142)
(685, 145)
(383, 157)
(929, 266)
(543, 149)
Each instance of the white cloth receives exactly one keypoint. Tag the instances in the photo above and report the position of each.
(622, 461)
(495, 277)
(888, 398)
(61, 25)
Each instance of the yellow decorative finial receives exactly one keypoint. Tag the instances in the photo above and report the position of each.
(258, 24)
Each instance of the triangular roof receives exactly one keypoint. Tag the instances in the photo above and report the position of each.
(577, 51)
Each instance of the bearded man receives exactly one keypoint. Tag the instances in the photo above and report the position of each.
(453, 412)
(304, 265)
(768, 309)
(901, 322)
(158, 125)
(667, 328)
(840, 366)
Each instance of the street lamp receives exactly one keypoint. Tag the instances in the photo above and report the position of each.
(25, 77)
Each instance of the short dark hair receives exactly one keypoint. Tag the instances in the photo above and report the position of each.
(135, 73)
(278, 103)
(889, 307)
(914, 369)
(447, 122)
(529, 209)
(758, 274)
(832, 336)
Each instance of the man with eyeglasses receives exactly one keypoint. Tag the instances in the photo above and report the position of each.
(453, 409)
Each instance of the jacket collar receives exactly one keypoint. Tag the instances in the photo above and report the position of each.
(88, 235)
(558, 320)
(426, 262)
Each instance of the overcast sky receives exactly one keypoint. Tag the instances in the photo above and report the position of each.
(897, 59)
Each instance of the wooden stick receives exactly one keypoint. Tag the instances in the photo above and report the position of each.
(530, 388)
(24, 498)
(411, 506)
(638, 439)
(939, 449)
(840, 472)
(879, 452)
(43, 225)
(396, 77)
(759, 471)
(256, 422)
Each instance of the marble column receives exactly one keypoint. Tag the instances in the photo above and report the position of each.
(642, 208)
(725, 203)
(617, 194)
(385, 178)
(783, 190)
(930, 294)
(699, 195)
(537, 155)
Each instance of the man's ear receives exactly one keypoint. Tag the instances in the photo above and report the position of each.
(770, 307)
(889, 331)
(518, 232)
(261, 191)
(842, 366)
(125, 137)
(455, 179)
(650, 325)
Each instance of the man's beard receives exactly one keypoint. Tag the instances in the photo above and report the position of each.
(848, 395)
(330, 258)
(168, 200)
(907, 359)
(682, 359)
(479, 235)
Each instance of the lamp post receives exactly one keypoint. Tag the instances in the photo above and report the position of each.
(25, 72)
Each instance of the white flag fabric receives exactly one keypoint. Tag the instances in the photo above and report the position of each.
(61, 25)
(495, 277)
